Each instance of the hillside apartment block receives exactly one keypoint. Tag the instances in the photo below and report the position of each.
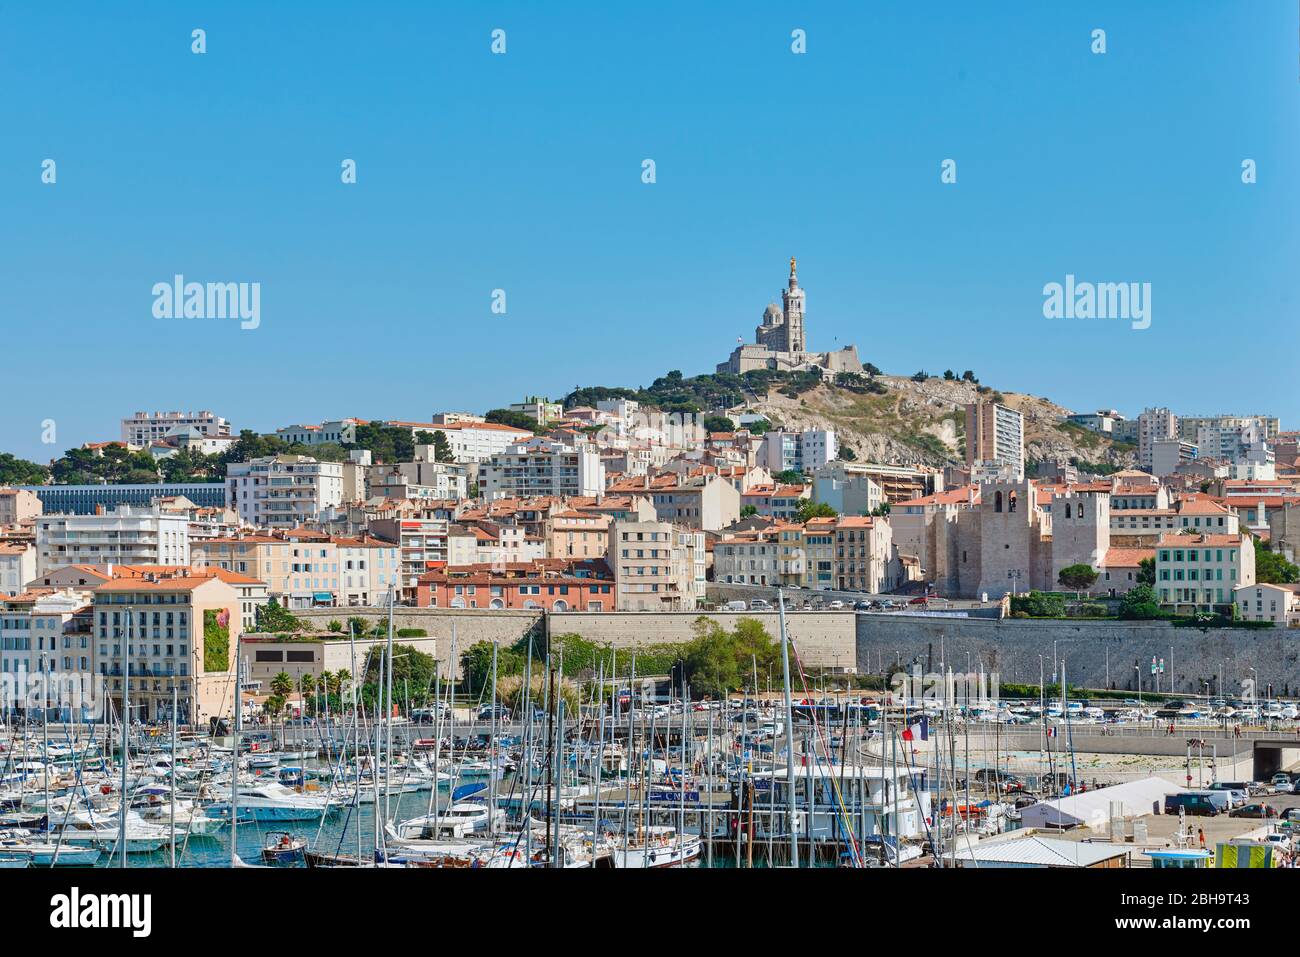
(146, 428)
(283, 491)
(127, 536)
(995, 441)
(539, 467)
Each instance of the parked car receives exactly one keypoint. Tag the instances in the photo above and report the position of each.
(1254, 810)
(1194, 804)
(835, 605)
(862, 606)
(758, 604)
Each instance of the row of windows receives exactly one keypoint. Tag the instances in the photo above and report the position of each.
(1192, 553)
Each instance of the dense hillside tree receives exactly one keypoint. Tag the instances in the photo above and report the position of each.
(16, 471)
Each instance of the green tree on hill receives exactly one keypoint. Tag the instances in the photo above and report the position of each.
(1272, 568)
(16, 471)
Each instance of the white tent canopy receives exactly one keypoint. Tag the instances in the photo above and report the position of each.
(1093, 808)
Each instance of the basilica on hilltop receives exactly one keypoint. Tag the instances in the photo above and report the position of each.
(780, 341)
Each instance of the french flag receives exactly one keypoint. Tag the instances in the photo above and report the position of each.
(918, 730)
(1051, 732)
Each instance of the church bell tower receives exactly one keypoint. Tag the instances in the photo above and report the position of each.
(792, 300)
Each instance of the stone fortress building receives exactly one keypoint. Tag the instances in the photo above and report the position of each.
(781, 343)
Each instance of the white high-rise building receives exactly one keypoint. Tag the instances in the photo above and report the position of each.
(282, 491)
(1154, 425)
(144, 428)
(798, 451)
(995, 441)
(127, 536)
(543, 467)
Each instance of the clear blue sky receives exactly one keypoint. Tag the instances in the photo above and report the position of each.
(522, 172)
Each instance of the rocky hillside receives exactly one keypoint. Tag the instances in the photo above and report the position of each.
(924, 422)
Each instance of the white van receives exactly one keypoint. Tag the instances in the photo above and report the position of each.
(735, 606)
(759, 604)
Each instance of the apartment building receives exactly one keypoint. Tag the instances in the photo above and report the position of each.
(17, 566)
(1103, 421)
(333, 432)
(554, 585)
(1279, 604)
(45, 630)
(1197, 573)
(473, 441)
(421, 547)
(367, 568)
(168, 631)
(1196, 513)
(308, 572)
(1154, 425)
(780, 502)
(752, 558)
(441, 419)
(803, 452)
(540, 410)
(995, 439)
(1137, 527)
(853, 488)
(1168, 455)
(283, 491)
(653, 570)
(146, 428)
(711, 503)
(420, 481)
(127, 536)
(865, 557)
(818, 542)
(18, 505)
(577, 535)
(543, 467)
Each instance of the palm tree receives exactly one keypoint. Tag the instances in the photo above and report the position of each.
(323, 693)
(307, 686)
(281, 688)
(342, 679)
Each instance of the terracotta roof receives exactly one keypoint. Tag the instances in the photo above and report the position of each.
(1126, 557)
(1192, 541)
(855, 521)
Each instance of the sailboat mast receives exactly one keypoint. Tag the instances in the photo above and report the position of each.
(789, 730)
(234, 761)
(126, 728)
(492, 752)
(172, 781)
(388, 705)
